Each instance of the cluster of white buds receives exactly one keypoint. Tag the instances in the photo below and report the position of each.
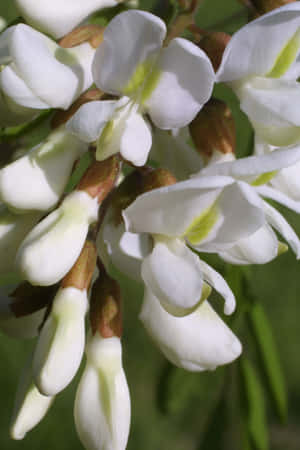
(161, 185)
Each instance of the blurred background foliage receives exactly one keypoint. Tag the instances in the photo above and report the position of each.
(254, 404)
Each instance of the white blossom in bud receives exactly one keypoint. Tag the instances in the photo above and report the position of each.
(196, 342)
(262, 245)
(102, 404)
(52, 247)
(30, 405)
(60, 346)
(37, 180)
(170, 84)
(210, 214)
(54, 78)
(261, 64)
(13, 229)
(59, 18)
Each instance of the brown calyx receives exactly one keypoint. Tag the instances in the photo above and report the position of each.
(80, 276)
(105, 307)
(93, 34)
(214, 44)
(213, 129)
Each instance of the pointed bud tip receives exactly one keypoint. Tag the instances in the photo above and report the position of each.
(213, 129)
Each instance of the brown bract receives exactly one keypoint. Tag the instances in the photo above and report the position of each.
(213, 129)
(214, 44)
(105, 307)
(80, 275)
(100, 178)
(93, 34)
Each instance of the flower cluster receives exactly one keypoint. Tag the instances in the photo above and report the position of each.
(160, 187)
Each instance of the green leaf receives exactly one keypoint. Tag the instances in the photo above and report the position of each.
(268, 358)
(254, 405)
(213, 438)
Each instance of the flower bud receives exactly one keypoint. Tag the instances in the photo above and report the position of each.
(213, 130)
(30, 406)
(214, 44)
(61, 342)
(100, 178)
(86, 33)
(102, 404)
(105, 307)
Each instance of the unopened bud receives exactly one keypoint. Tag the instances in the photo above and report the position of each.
(80, 276)
(93, 34)
(213, 129)
(61, 116)
(214, 44)
(157, 178)
(105, 307)
(100, 178)
(27, 299)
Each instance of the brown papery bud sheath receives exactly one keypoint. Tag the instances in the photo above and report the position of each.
(214, 44)
(213, 129)
(105, 307)
(27, 299)
(93, 34)
(157, 178)
(100, 178)
(80, 276)
(61, 117)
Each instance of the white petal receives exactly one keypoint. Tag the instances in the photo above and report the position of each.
(30, 406)
(173, 273)
(136, 140)
(58, 18)
(172, 152)
(52, 247)
(243, 214)
(54, 75)
(253, 50)
(185, 83)
(130, 40)
(102, 403)
(61, 343)
(4, 45)
(199, 341)
(279, 197)
(259, 248)
(271, 102)
(255, 165)
(13, 229)
(219, 284)
(88, 122)
(126, 250)
(278, 222)
(43, 173)
(170, 210)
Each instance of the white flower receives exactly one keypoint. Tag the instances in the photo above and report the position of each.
(37, 74)
(61, 342)
(3, 23)
(58, 18)
(13, 229)
(196, 342)
(261, 64)
(52, 247)
(37, 180)
(30, 405)
(170, 84)
(263, 245)
(102, 404)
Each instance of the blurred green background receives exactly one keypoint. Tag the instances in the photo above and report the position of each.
(172, 409)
